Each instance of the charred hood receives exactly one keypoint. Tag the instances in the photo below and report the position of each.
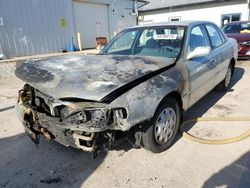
(87, 77)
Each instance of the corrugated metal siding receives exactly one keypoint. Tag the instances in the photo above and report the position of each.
(120, 11)
(34, 26)
(122, 15)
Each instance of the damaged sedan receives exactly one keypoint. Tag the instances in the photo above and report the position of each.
(143, 80)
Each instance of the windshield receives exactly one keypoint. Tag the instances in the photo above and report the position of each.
(237, 28)
(154, 41)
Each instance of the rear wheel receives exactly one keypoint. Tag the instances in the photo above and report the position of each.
(163, 130)
(224, 85)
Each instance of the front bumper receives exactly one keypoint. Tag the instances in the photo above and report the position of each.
(36, 123)
(88, 126)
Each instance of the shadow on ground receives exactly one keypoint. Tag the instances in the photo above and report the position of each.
(211, 99)
(53, 165)
(235, 175)
(49, 165)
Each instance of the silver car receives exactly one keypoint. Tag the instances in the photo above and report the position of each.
(141, 83)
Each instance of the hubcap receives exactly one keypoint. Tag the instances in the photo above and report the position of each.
(228, 77)
(165, 125)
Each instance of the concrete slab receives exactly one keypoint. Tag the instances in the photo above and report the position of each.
(22, 58)
(186, 164)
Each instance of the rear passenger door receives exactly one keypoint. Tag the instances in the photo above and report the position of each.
(219, 52)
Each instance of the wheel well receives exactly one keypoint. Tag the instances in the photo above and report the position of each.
(174, 94)
(232, 62)
(177, 96)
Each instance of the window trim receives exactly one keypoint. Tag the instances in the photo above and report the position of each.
(230, 15)
(215, 27)
(203, 30)
(224, 40)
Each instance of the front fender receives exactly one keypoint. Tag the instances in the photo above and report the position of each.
(142, 101)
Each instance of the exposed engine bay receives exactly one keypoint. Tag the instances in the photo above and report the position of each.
(85, 125)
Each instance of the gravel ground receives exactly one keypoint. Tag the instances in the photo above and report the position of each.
(186, 164)
(7, 69)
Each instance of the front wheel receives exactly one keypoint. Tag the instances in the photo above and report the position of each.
(163, 130)
(224, 85)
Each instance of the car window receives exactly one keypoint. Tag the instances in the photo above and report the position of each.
(152, 33)
(160, 41)
(214, 36)
(145, 36)
(237, 28)
(222, 36)
(197, 38)
(123, 43)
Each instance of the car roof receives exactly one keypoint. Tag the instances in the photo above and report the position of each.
(173, 23)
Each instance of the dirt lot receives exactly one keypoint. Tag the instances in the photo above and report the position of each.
(186, 164)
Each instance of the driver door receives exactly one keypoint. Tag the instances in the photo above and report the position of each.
(201, 69)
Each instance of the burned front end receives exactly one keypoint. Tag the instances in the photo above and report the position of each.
(90, 102)
(78, 123)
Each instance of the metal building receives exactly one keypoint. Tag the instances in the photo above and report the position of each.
(31, 27)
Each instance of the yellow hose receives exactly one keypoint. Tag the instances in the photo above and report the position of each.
(218, 141)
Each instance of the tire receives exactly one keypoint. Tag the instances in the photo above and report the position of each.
(159, 136)
(224, 85)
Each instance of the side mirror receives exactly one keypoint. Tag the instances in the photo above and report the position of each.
(199, 52)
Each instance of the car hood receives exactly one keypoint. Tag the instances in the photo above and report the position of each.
(240, 37)
(86, 77)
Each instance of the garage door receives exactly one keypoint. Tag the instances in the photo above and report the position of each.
(91, 20)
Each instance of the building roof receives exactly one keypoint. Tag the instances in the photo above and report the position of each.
(161, 4)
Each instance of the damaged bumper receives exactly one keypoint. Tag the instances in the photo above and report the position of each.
(78, 125)
(36, 124)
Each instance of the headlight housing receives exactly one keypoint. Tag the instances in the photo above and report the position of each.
(96, 118)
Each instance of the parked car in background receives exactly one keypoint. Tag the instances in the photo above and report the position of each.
(241, 32)
(144, 79)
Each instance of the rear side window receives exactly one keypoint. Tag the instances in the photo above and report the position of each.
(214, 36)
(222, 36)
